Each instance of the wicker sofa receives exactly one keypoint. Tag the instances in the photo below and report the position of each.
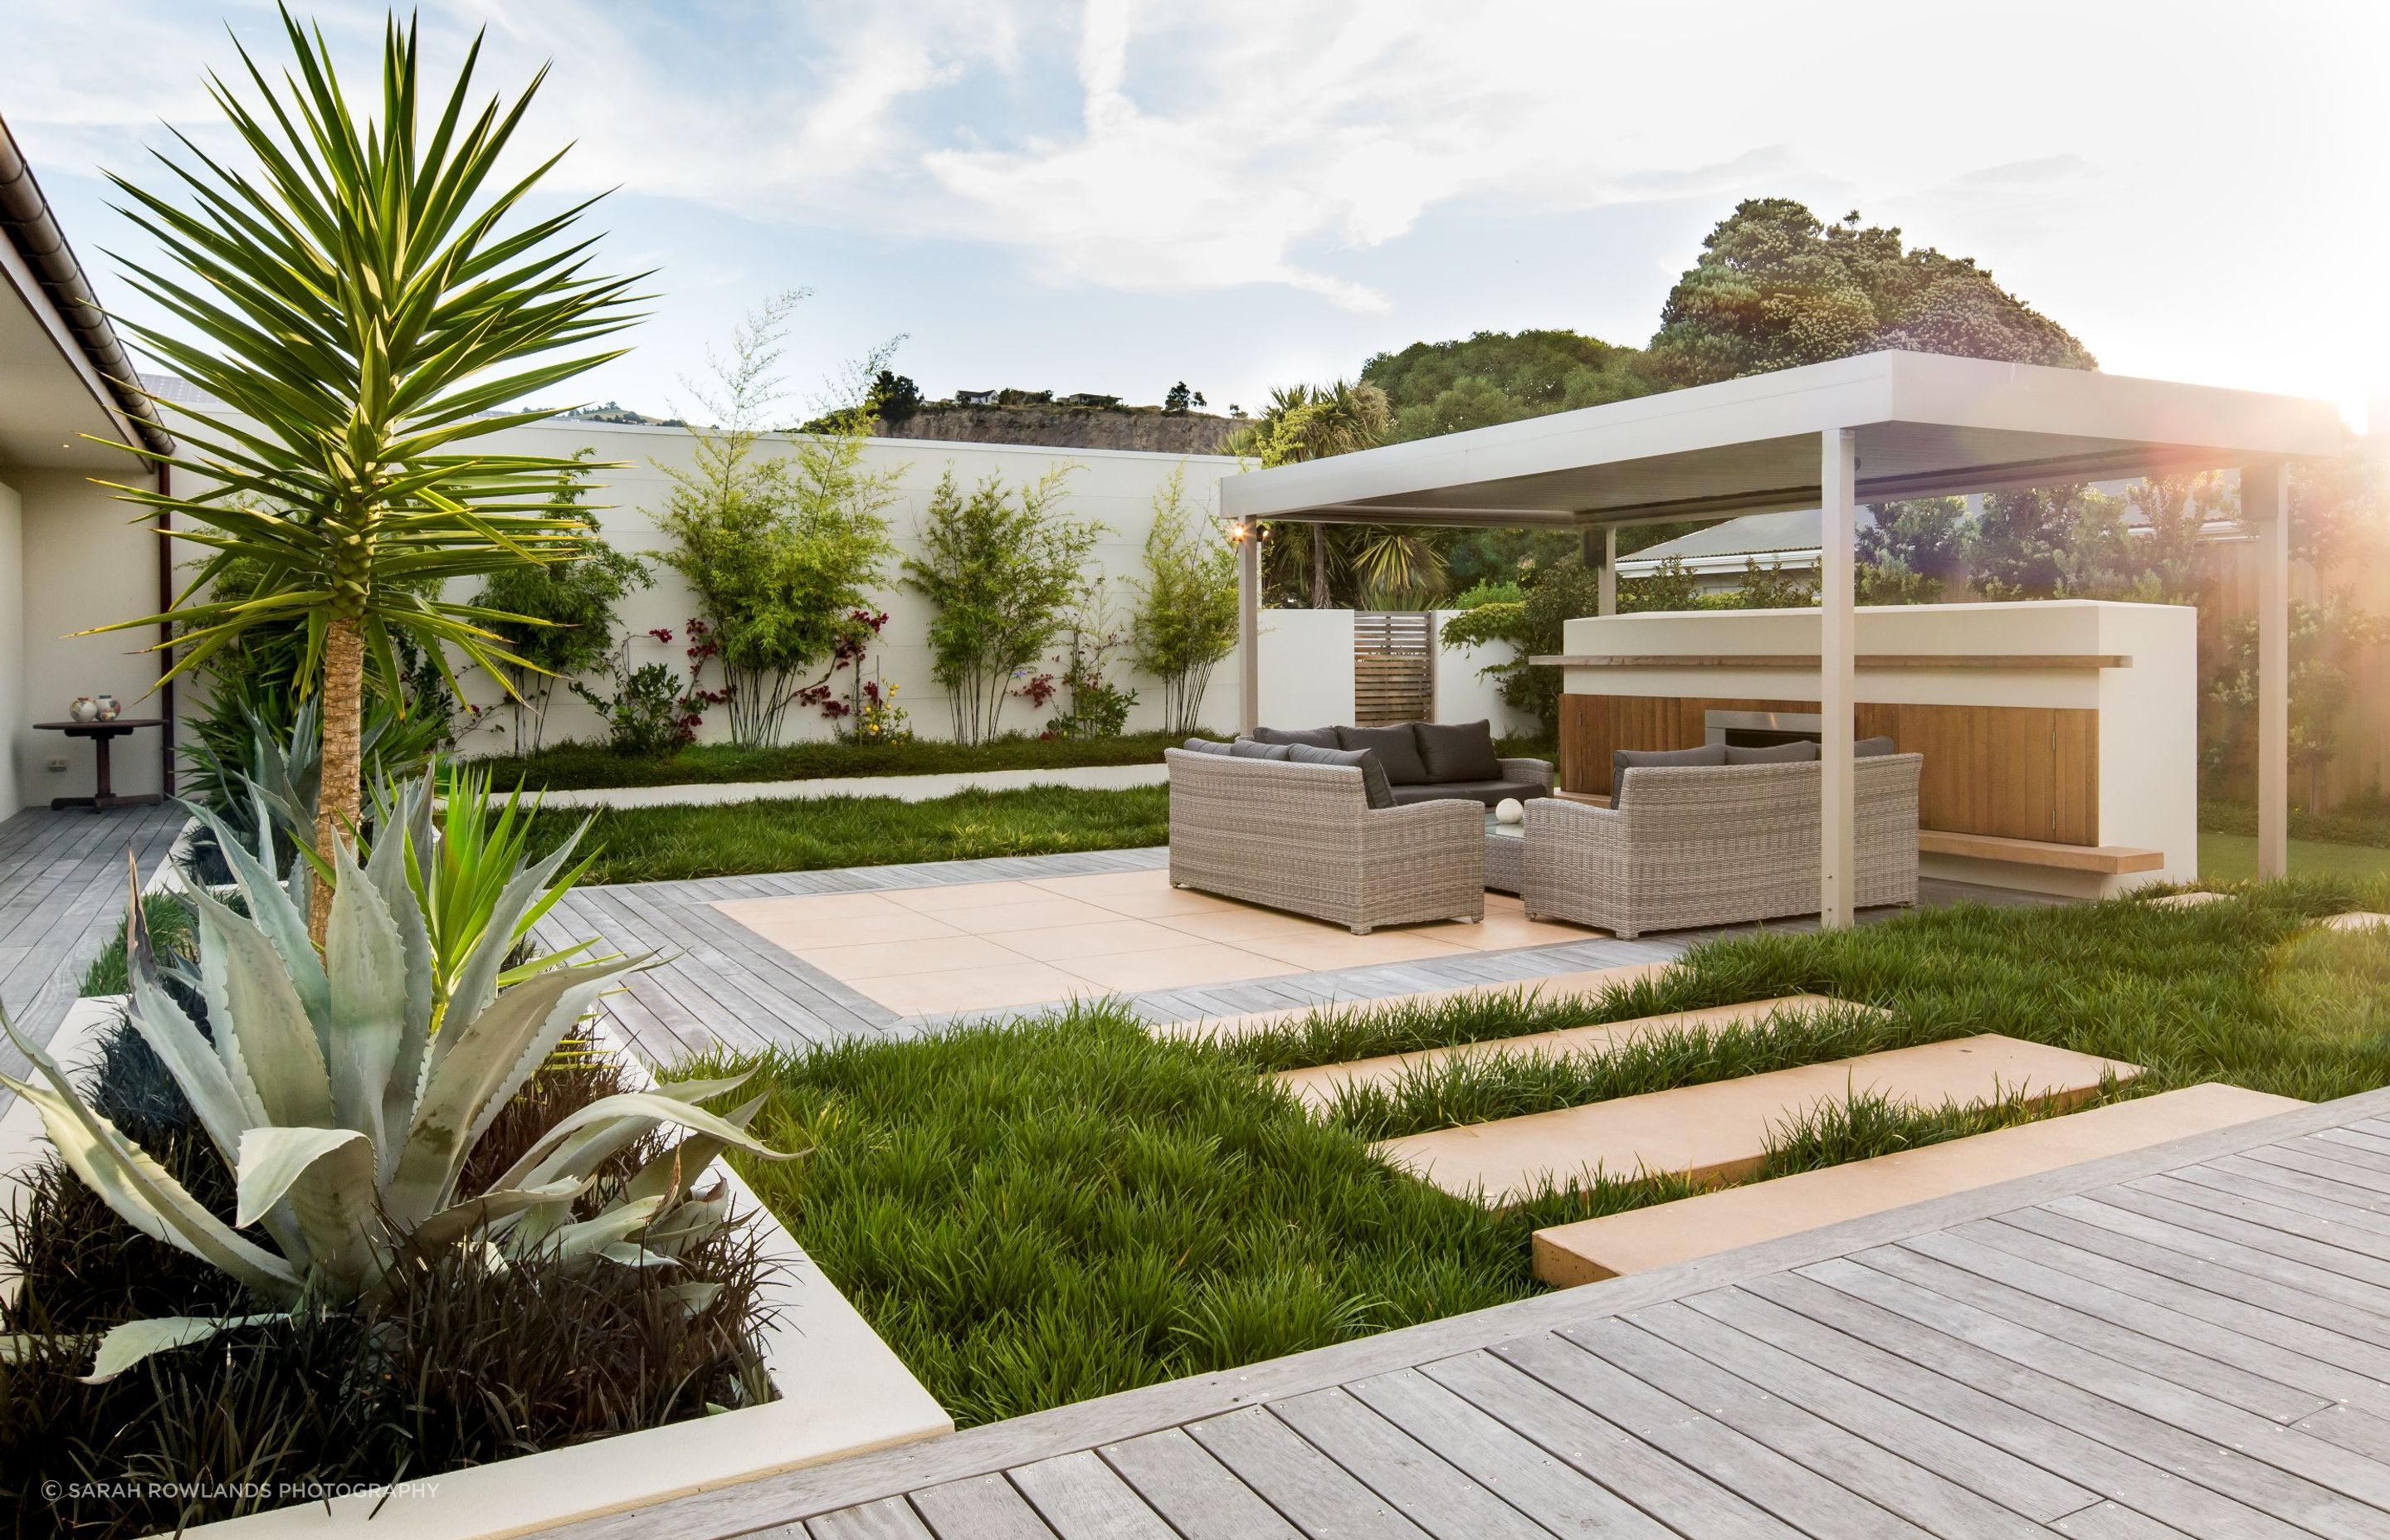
(1303, 838)
(1716, 845)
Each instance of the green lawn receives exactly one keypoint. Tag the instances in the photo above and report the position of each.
(576, 766)
(2233, 858)
(1041, 1211)
(646, 844)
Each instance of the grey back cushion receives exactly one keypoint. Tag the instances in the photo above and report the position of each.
(1458, 750)
(1374, 785)
(1624, 760)
(1318, 738)
(1800, 753)
(1396, 749)
(1245, 748)
(1868, 748)
(1205, 746)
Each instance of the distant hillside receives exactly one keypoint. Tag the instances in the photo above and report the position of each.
(1063, 426)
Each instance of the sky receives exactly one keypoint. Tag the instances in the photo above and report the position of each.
(1112, 197)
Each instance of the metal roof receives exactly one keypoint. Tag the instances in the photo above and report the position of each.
(1927, 425)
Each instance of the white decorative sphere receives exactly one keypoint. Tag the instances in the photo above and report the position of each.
(1509, 811)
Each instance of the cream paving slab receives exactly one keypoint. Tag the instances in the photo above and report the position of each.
(1241, 924)
(1318, 1086)
(2356, 919)
(1332, 948)
(1162, 900)
(1062, 943)
(882, 959)
(1720, 1130)
(1205, 962)
(870, 925)
(1640, 1239)
(1017, 984)
(1502, 933)
(1551, 986)
(1027, 914)
(961, 895)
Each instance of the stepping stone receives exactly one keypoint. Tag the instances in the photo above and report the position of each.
(2356, 919)
(1318, 1086)
(1718, 1132)
(1589, 981)
(2187, 901)
(1640, 1239)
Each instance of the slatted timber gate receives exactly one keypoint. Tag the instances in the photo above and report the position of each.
(1393, 667)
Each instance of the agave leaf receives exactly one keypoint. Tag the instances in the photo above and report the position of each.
(477, 1064)
(365, 959)
(585, 1237)
(585, 1149)
(696, 1298)
(263, 1034)
(272, 1159)
(127, 1344)
(628, 1253)
(178, 1042)
(386, 868)
(651, 1106)
(136, 1187)
(456, 1222)
(673, 1171)
(273, 915)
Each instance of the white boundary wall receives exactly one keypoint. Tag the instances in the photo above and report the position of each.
(1306, 668)
(1464, 693)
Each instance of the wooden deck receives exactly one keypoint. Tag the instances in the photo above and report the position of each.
(63, 888)
(2192, 1340)
(721, 985)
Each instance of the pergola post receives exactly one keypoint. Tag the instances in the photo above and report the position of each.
(1606, 593)
(1248, 537)
(2266, 504)
(1837, 479)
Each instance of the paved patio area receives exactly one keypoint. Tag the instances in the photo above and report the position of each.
(735, 976)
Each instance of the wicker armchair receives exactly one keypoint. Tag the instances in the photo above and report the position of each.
(1717, 845)
(1303, 837)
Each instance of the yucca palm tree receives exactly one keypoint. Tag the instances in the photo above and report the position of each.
(366, 301)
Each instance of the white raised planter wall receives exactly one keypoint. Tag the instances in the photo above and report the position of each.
(2149, 709)
(842, 1392)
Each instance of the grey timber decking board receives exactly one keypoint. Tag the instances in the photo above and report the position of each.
(2130, 1349)
(64, 885)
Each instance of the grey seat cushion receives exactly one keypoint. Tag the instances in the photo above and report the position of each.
(1489, 793)
(1774, 753)
(1458, 750)
(1373, 775)
(1624, 760)
(1395, 747)
(1868, 748)
(1317, 738)
(1245, 748)
(1205, 745)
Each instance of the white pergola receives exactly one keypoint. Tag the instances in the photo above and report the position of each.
(1871, 428)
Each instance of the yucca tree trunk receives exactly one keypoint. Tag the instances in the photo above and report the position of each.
(338, 796)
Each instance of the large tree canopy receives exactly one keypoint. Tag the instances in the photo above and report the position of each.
(1500, 377)
(1775, 289)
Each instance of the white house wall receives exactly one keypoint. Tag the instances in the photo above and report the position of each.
(12, 638)
(85, 560)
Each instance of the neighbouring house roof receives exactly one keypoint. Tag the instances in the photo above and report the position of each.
(33, 233)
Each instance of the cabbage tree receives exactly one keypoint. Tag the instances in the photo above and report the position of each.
(367, 298)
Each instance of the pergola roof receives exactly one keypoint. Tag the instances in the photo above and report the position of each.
(1927, 425)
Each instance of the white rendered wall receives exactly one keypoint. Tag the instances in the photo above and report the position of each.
(2149, 721)
(1465, 693)
(1114, 488)
(12, 640)
(1306, 668)
(86, 559)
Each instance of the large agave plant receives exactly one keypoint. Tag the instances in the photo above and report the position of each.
(347, 1090)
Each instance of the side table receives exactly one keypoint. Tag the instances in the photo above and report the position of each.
(1505, 856)
(102, 733)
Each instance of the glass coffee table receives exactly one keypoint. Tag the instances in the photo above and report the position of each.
(1505, 855)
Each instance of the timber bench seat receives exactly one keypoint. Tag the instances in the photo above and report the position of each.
(1719, 1131)
(1640, 1239)
(2106, 859)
